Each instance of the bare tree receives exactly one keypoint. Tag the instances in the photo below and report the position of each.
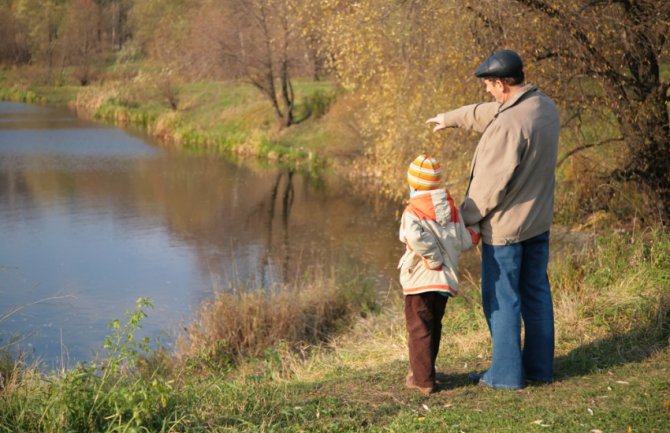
(257, 41)
(80, 38)
(160, 29)
(12, 48)
(41, 20)
(114, 21)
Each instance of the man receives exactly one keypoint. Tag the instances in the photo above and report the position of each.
(511, 197)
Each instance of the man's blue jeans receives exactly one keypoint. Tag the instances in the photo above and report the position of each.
(515, 286)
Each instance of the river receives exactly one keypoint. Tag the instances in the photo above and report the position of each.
(93, 217)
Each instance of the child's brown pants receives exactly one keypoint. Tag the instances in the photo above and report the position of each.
(423, 315)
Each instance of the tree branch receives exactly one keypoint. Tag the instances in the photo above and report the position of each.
(570, 119)
(580, 37)
(486, 20)
(595, 3)
(546, 55)
(586, 146)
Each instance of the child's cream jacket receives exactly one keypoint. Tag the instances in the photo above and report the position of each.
(434, 235)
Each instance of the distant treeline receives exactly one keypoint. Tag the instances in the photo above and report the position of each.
(605, 62)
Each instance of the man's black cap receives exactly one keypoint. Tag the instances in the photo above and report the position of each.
(500, 64)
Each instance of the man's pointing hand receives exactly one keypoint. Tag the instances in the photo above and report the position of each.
(438, 121)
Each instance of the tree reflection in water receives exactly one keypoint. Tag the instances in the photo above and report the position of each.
(287, 201)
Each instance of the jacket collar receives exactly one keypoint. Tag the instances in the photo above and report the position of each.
(436, 205)
(517, 96)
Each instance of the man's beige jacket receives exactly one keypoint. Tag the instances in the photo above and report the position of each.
(511, 190)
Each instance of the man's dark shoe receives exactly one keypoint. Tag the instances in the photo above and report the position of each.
(475, 377)
(478, 379)
(538, 382)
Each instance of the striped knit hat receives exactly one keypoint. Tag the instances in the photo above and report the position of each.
(424, 173)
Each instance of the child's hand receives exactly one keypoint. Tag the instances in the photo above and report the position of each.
(474, 233)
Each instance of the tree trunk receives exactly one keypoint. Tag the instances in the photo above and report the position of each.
(645, 122)
(287, 95)
(286, 86)
(647, 134)
(271, 93)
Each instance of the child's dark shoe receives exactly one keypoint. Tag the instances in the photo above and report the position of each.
(409, 382)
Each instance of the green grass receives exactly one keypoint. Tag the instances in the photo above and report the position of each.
(612, 298)
(665, 70)
(20, 95)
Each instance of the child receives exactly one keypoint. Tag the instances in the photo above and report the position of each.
(434, 236)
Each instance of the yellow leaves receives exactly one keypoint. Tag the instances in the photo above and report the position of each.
(404, 62)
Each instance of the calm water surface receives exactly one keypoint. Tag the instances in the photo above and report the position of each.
(93, 217)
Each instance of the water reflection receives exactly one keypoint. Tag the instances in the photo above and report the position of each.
(287, 197)
(104, 217)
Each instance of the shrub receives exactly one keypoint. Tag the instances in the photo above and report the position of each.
(113, 394)
(316, 104)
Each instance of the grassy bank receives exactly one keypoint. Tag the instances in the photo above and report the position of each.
(204, 116)
(612, 298)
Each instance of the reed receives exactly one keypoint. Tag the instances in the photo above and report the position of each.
(20, 94)
(247, 323)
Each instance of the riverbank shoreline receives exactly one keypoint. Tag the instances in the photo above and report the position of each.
(227, 118)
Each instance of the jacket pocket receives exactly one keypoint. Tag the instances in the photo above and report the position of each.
(413, 263)
(409, 269)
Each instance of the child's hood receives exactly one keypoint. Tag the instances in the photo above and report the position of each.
(435, 205)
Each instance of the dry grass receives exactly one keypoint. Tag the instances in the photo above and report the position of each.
(607, 291)
(373, 341)
(89, 99)
(238, 325)
(11, 370)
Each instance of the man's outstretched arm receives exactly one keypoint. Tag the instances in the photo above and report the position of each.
(475, 117)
